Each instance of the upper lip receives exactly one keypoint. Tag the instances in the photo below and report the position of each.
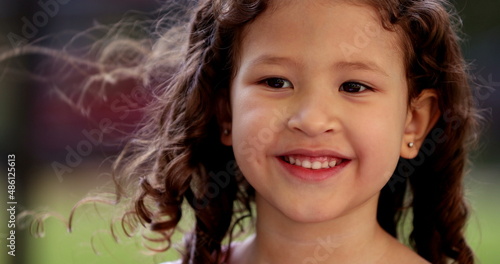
(314, 153)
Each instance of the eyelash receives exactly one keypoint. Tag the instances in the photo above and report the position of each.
(267, 80)
(357, 85)
(342, 88)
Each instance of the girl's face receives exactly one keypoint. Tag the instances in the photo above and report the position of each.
(319, 108)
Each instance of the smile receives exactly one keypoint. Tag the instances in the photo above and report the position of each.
(313, 163)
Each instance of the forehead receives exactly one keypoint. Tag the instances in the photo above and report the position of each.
(348, 29)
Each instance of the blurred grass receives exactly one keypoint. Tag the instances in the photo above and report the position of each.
(90, 241)
(59, 246)
(483, 230)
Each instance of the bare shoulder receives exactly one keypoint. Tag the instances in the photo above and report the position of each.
(400, 253)
(408, 256)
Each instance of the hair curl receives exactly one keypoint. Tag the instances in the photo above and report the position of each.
(175, 156)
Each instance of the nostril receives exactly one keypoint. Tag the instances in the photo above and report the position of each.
(311, 127)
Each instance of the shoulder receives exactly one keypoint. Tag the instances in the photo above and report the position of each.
(394, 252)
(179, 261)
(400, 253)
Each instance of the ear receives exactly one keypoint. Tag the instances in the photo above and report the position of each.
(423, 113)
(226, 136)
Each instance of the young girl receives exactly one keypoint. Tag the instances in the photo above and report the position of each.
(324, 122)
(332, 117)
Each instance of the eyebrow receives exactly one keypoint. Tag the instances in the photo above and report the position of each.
(366, 66)
(273, 60)
(342, 65)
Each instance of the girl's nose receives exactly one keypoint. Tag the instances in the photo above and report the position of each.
(314, 113)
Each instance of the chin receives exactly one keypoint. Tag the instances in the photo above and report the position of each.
(309, 214)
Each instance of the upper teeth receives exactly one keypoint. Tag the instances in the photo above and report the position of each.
(315, 165)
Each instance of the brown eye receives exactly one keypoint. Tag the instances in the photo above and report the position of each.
(278, 83)
(353, 87)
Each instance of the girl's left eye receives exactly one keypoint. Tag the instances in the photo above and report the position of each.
(353, 87)
(277, 83)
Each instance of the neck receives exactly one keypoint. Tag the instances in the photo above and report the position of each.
(352, 238)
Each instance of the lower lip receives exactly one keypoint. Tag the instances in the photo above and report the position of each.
(310, 174)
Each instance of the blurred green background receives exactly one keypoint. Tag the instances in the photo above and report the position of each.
(42, 131)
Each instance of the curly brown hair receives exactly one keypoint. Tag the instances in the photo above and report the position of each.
(178, 156)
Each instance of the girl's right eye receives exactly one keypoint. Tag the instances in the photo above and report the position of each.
(277, 83)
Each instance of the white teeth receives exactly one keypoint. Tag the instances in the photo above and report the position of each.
(306, 164)
(315, 165)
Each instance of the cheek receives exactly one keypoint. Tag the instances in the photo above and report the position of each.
(376, 136)
(254, 129)
(257, 119)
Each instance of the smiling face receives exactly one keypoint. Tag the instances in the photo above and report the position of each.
(319, 107)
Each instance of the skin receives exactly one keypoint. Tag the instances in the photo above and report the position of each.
(308, 86)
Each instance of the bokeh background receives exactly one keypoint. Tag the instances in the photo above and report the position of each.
(61, 155)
